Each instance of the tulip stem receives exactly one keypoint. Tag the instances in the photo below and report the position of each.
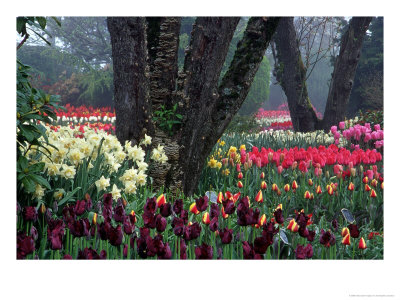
(354, 248)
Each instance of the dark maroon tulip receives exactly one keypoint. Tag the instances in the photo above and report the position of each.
(98, 207)
(151, 205)
(132, 218)
(204, 252)
(226, 235)
(25, 245)
(309, 251)
(55, 233)
(185, 216)
(68, 214)
(192, 232)
(158, 245)
(102, 229)
(107, 200)
(142, 246)
(144, 231)
(166, 252)
(161, 223)
(279, 216)
(119, 213)
(303, 231)
(67, 256)
(178, 225)
(251, 217)
(149, 220)
(30, 213)
(107, 214)
(300, 252)
(79, 227)
(311, 235)
(335, 224)
(332, 240)
(214, 224)
(178, 206)
(248, 251)
(326, 238)
(243, 204)
(128, 226)
(34, 233)
(261, 245)
(302, 219)
(269, 227)
(125, 251)
(88, 253)
(214, 210)
(202, 203)
(103, 254)
(354, 232)
(132, 241)
(80, 207)
(183, 247)
(166, 210)
(115, 235)
(229, 207)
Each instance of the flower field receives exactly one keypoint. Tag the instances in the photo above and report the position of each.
(274, 194)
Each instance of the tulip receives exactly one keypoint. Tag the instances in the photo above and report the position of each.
(318, 190)
(367, 188)
(204, 252)
(278, 215)
(224, 215)
(294, 185)
(263, 185)
(353, 171)
(262, 220)
(206, 218)
(160, 200)
(240, 184)
(259, 197)
(310, 182)
(382, 185)
(307, 195)
(94, 220)
(240, 175)
(351, 187)
(345, 231)
(280, 170)
(274, 187)
(372, 194)
(330, 190)
(287, 187)
(226, 235)
(362, 245)
(262, 176)
(374, 183)
(354, 232)
(202, 203)
(346, 240)
(220, 198)
(42, 209)
(278, 192)
(193, 209)
(365, 180)
(312, 196)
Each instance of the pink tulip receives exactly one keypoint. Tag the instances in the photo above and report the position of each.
(341, 125)
(377, 127)
(280, 169)
(333, 129)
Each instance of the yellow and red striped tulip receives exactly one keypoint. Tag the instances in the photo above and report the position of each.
(42, 208)
(367, 188)
(262, 176)
(374, 183)
(133, 214)
(286, 187)
(365, 180)
(263, 185)
(220, 198)
(161, 200)
(346, 240)
(312, 196)
(224, 215)
(372, 194)
(190, 223)
(279, 206)
(345, 231)
(290, 224)
(330, 190)
(259, 197)
(240, 175)
(206, 218)
(310, 182)
(318, 190)
(351, 187)
(193, 209)
(307, 195)
(362, 245)
(228, 195)
(262, 220)
(239, 184)
(274, 187)
(236, 197)
(294, 185)
(293, 226)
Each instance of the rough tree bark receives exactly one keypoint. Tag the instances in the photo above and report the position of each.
(206, 106)
(291, 74)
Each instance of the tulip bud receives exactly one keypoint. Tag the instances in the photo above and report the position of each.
(94, 220)
(351, 187)
(367, 188)
(318, 190)
(286, 187)
(307, 195)
(282, 157)
(224, 162)
(240, 175)
(345, 231)
(312, 196)
(353, 172)
(274, 187)
(262, 176)
(294, 165)
(259, 197)
(240, 184)
(294, 185)
(346, 240)
(124, 202)
(362, 245)
(365, 180)
(373, 194)
(42, 208)
(262, 220)
(193, 209)
(382, 185)
(280, 170)
(238, 168)
(263, 185)
(330, 190)
(327, 174)
(206, 218)
(160, 200)
(231, 162)
(361, 169)
(220, 198)
(374, 183)
(270, 156)
(310, 182)
(224, 215)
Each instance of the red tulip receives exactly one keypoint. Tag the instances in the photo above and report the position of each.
(362, 245)
(351, 187)
(374, 183)
(220, 198)
(206, 218)
(318, 190)
(330, 190)
(240, 184)
(373, 193)
(346, 240)
(224, 215)
(382, 185)
(274, 187)
(307, 195)
(160, 200)
(294, 185)
(193, 209)
(365, 180)
(263, 185)
(367, 188)
(259, 197)
(310, 182)
(287, 188)
(240, 175)
(262, 176)
(345, 231)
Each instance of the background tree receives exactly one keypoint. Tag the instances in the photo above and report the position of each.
(206, 103)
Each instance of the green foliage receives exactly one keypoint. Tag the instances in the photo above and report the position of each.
(32, 106)
(35, 24)
(371, 116)
(241, 124)
(167, 119)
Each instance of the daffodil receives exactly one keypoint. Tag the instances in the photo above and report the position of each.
(115, 192)
(102, 183)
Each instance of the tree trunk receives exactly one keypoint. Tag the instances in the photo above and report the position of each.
(206, 107)
(291, 74)
(344, 71)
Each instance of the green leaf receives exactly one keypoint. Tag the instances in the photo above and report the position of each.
(35, 168)
(29, 185)
(42, 22)
(57, 21)
(68, 196)
(39, 180)
(21, 24)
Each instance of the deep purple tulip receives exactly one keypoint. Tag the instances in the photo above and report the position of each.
(183, 247)
(311, 235)
(214, 224)
(34, 233)
(149, 220)
(192, 232)
(303, 231)
(178, 206)
(300, 253)
(128, 226)
(166, 210)
(107, 201)
(25, 245)
(335, 224)
(30, 213)
(203, 252)
(279, 216)
(89, 202)
(248, 251)
(185, 216)
(229, 207)
(55, 233)
(354, 232)
(88, 253)
(261, 245)
(79, 227)
(115, 235)
(67, 256)
(151, 205)
(158, 244)
(309, 251)
(302, 219)
(161, 223)
(226, 235)
(178, 225)
(119, 213)
(166, 252)
(103, 254)
(202, 203)
(144, 231)
(327, 238)
(80, 207)
(214, 210)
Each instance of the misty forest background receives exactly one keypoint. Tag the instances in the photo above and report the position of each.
(78, 64)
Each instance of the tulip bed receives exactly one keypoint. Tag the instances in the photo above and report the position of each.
(271, 195)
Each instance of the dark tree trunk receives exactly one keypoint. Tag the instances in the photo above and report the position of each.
(344, 71)
(207, 108)
(291, 74)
